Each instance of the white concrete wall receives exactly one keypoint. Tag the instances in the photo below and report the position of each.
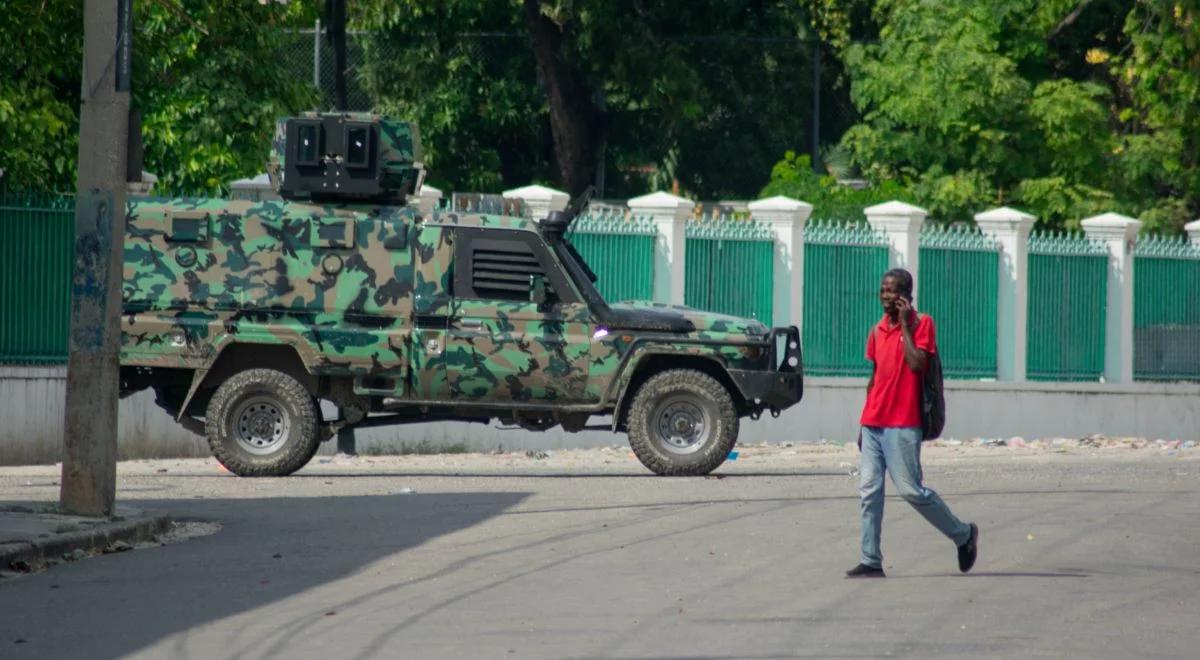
(31, 414)
(1001, 410)
(31, 421)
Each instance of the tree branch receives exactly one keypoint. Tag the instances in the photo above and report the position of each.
(1070, 19)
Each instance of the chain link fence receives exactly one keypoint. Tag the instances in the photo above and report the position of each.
(308, 54)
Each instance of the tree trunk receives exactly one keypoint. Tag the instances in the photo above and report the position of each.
(576, 125)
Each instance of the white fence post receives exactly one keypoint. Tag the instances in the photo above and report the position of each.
(1193, 232)
(540, 200)
(669, 214)
(1010, 228)
(1119, 234)
(786, 217)
(428, 199)
(901, 223)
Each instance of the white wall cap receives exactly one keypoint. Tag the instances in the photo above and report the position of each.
(1112, 225)
(1005, 214)
(429, 191)
(660, 200)
(1192, 226)
(536, 193)
(779, 203)
(1110, 220)
(895, 207)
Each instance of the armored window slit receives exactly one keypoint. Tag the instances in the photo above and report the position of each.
(189, 226)
(308, 144)
(357, 144)
(504, 270)
(333, 233)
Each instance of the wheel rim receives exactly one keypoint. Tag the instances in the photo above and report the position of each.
(681, 425)
(261, 425)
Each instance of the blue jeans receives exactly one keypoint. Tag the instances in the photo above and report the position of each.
(898, 450)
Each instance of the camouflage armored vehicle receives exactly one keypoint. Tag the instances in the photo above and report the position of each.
(243, 316)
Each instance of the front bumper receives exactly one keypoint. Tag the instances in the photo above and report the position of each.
(780, 386)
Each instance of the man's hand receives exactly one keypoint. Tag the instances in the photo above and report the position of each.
(904, 312)
(913, 356)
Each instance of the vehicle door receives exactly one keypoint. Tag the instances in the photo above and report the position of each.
(371, 291)
(432, 305)
(508, 345)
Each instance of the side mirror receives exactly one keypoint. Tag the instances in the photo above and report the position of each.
(537, 289)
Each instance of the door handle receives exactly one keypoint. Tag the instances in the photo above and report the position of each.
(471, 323)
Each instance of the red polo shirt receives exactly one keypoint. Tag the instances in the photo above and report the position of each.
(895, 398)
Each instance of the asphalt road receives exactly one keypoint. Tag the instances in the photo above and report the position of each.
(1084, 554)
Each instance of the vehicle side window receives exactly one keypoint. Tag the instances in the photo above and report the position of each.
(502, 270)
(500, 266)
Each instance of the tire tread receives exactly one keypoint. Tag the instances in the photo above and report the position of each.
(726, 423)
(297, 451)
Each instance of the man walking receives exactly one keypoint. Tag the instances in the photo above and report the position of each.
(898, 348)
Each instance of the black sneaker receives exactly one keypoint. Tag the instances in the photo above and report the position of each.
(864, 571)
(969, 550)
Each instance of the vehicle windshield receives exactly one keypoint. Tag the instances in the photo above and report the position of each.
(582, 275)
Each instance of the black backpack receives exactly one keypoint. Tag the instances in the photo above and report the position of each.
(933, 402)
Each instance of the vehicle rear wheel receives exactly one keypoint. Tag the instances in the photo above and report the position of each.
(262, 423)
(682, 422)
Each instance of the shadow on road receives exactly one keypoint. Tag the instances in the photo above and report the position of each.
(271, 549)
(994, 574)
(515, 474)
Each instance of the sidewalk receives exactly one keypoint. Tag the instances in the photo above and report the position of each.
(34, 536)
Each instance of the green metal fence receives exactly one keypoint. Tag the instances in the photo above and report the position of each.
(36, 243)
(843, 264)
(960, 273)
(1068, 289)
(728, 267)
(620, 251)
(1166, 309)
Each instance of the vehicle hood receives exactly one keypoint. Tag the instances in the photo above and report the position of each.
(682, 319)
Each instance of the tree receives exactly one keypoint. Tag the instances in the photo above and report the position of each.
(944, 100)
(1160, 127)
(1052, 106)
(707, 90)
(206, 80)
(463, 71)
(209, 86)
(39, 93)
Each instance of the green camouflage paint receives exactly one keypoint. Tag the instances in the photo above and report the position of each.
(365, 292)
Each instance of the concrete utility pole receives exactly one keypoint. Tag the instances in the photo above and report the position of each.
(335, 13)
(89, 473)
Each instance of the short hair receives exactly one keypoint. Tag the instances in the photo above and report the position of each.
(904, 280)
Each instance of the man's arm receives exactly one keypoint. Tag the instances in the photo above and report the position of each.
(914, 357)
(871, 380)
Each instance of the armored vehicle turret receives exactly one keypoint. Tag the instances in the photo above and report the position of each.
(346, 157)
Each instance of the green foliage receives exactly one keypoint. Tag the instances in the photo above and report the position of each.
(39, 93)
(1060, 107)
(1056, 198)
(205, 80)
(794, 177)
(482, 118)
(701, 94)
(1160, 73)
(1022, 102)
(210, 89)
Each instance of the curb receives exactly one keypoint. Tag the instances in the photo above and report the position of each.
(131, 528)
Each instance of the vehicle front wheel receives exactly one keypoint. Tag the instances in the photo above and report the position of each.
(262, 423)
(682, 422)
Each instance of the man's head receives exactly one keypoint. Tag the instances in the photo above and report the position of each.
(897, 283)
